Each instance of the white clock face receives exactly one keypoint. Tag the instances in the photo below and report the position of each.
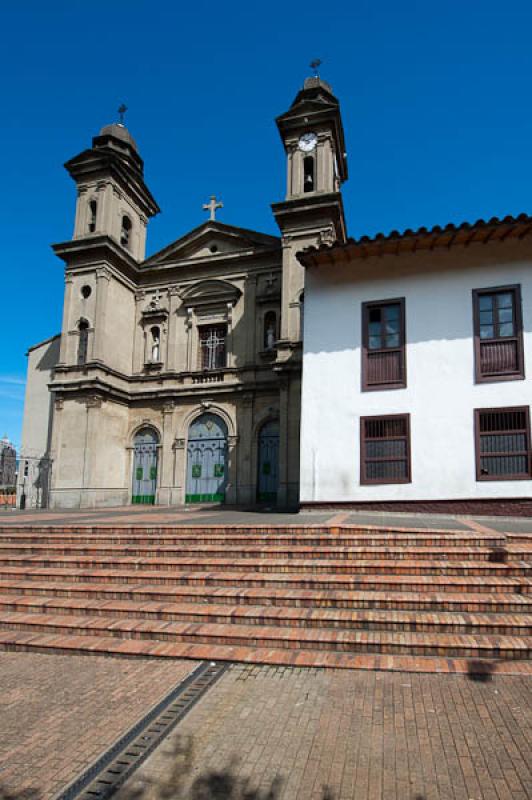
(308, 142)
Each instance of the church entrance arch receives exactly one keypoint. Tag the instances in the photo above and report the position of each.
(145, 466)
(268, 477)
(207, 460)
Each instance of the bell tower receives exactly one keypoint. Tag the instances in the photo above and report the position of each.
(312, 212)
(113, 199)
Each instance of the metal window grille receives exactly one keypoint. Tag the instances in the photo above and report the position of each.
(503, 443)
(383, 345)
(212, 347)
(498, 333)
(385, 449)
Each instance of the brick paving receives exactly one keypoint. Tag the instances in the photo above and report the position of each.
(59, 713)
(266, 733)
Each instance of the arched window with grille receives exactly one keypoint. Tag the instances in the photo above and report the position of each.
(83, 342)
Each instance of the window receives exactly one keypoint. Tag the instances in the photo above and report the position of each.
(385, 449)
(308, 174)
(503, 443)
(125, 234)
(383, 345)
(93, 210)
(83, 328)
(498, 334)
(270, 330)
(212, 346)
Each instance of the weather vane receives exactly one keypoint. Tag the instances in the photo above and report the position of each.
(122, 110)
(315, 65)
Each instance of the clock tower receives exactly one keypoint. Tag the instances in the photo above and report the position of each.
(312, 212)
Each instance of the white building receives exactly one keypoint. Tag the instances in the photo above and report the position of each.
(416, 368)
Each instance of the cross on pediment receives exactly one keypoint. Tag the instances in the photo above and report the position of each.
(212, 205)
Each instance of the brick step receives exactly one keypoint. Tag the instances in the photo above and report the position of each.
(426, 622)
(331, 539)
(288, 580)
(384, 643)
(287, 598)
(520, 538)
(293, 566)
(14, 641)
(369, 552)
(231, 530)
(311, 536)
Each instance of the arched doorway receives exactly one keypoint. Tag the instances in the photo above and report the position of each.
(268, 477)
(207, 460)
(145, 466)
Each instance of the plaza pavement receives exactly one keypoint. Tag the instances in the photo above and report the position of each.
(268, 733)
(262, 732)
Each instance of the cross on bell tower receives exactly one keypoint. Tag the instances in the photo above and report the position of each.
(212, 206)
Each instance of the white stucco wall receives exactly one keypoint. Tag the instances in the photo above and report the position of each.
(441, 393)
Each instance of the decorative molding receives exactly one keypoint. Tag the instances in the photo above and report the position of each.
(59, 403)
(179, 444)
(94, 401)
(327, 236)
(168, 407)
(103, 272)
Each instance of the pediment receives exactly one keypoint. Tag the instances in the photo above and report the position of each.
(211, 291)
(213, 240)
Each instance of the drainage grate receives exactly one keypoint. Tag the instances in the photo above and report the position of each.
(103, 778)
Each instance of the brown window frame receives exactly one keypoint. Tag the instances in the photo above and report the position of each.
(368, 386)
(364, 480)
(527, 452)
(493, 377)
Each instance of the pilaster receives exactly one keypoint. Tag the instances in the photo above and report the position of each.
(103, 278)
(63, 350)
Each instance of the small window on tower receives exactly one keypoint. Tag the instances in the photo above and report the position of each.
(125, 235)
(308, 173)
(93, 210)
(83, 328)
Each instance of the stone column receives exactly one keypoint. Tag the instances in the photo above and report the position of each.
(93, 405)
(65, 328)
(165, 455)
(174, 301)
(103, 278)
(232, 470)
(138, 333)
(191, 364)
(250, 309)
(180, 478)
(282, 494)
(230, 355)
(247, 469)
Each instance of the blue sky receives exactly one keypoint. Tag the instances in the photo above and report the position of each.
(436, 103)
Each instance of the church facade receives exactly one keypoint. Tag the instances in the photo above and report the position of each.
(177, 378)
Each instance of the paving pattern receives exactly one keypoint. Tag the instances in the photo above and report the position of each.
(266, 733)
(59, 713)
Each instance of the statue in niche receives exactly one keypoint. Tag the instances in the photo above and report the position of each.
(156, 345)
(270, 337)
(269, 330)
